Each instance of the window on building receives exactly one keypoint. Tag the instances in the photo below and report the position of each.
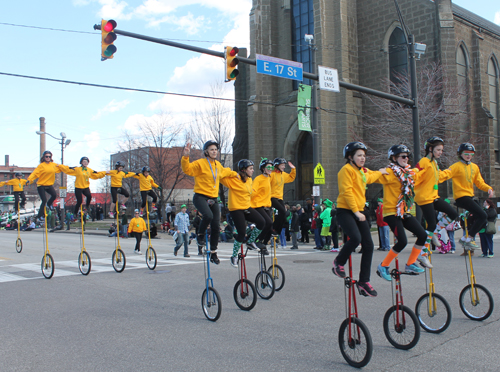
(398, 55)
(493, 90)
(463, 88)
(302, 24)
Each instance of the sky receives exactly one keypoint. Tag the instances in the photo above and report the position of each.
(95, 118)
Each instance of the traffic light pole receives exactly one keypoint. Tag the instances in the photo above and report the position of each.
(249, 61)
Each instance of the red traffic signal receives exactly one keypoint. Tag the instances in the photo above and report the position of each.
(231, 63)
(108, 38)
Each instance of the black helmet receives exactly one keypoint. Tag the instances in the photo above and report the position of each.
(18, 174)
(279, 161)
(244, 164)
(432, 142)
(396, 150)
(146, 169)
(210, 143)
(264, 162)
(119, 164)
(84, 158)
(465, 147)
(351, 148)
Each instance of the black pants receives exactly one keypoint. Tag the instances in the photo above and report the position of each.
(18, 194)
(118, 190)
(305, 234)
(144, 197)
(335, 238)
(279, 219)
(210, 216)
(480, 216)
(266, 213)
(138, 238)
(241, 216)
(429, 212)
(78, 196)
(398, 226)
(357, 232)
(42, 190)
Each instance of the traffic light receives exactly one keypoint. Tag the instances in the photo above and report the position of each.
(231, 63)
(108, 38)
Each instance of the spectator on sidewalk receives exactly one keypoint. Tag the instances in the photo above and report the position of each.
(181, 224)
(294, 227)
(383, 228)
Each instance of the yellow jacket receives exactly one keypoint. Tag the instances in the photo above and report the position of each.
(392, 190)
(117, 177)
(137, 225)
(17, 183)
(46, 174)
(278, 180)
(352, 187)
(240, 192)
(429, 177)
(145, 183)
(206, 179)
(82, 175)
(464, 177)
(261, 194)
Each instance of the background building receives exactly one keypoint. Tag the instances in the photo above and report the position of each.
(7, 172)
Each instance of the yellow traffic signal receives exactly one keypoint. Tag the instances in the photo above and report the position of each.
(108, 38)
(231, 63)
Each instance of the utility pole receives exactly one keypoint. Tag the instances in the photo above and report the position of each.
(414, 97)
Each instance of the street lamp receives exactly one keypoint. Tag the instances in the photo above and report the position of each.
(63, 141)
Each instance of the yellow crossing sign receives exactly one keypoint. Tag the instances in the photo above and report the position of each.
(319, 175)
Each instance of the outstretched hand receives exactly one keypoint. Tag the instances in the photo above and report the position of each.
(291, 165)
(187, 149)
(491, 193)
(383, 171)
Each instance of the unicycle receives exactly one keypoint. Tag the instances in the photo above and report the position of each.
(150, 252)
(210, 299)
(432, 310)
(355, 340)
(244, 292)
(264, 282)
(275, 270)
(118, 259)
(47, 260)
(476, 302)
(84, 263)
(401, 326)
(19, 242)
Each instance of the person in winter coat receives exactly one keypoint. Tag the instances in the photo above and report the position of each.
(305, 226)
(334, 229)
(316, 226)
(294, 227)
(326, 218)
(383, 228)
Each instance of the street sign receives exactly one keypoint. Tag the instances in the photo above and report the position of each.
(319, 175)
(315, 191)
(62, 192)
(279, 67)
(328, 79)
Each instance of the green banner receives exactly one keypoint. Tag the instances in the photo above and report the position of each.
(304, 107)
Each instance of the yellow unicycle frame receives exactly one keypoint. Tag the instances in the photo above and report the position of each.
(472, 277)
(47, 260)
(150, 252)
(118, 259)
(19, 242)
(84, 263)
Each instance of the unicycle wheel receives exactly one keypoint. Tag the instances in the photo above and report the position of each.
(84, 263)
(19, 245)
(211, 304)
(151, 258)
(355, 342)
(47, 266)
(118, 260)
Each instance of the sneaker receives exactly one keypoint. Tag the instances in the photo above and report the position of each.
(338, 269)
(234, 262)
(294, 248)
(484, 255)
(138, 252)
(200, 239)
(383, 272)
(326, 248)
(366, 289)
(214, 258)
(334, 250)
(175, 252)
(470, 246)
(413, 269)
(187, 255)
(123, 206)
(275, 233)
(424, 261)
(253, 246)
(491, 255)
(452, 251)
(436, 241)
(110, 214)
(264, 251)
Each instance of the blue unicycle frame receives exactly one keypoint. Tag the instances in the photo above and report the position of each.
(210, 299)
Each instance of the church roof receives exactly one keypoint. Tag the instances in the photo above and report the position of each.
(475, 19)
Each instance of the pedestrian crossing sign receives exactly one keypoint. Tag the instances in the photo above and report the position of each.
(319, 175)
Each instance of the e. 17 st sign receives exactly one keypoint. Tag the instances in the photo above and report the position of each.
(279, 67)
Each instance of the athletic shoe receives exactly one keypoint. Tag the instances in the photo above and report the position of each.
(436, 241)
(264, 251)
(234, 262)
(326, 248)
(274, 233)
(294, 248)
(123, 206)
(175, 252)
(366, 289)
(334, 250)
(110, 214)
(338, 269)
(383, 272)
(200, 239)
(253, 246)
(424, 261)
(452, 251)
(187, 255)
(380, 249)
(214, 258)
(413, 269)
(491, 255)
(138, 252)
(470, 246)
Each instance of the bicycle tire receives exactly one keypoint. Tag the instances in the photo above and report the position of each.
(211, 305)
(264, 284)
(278, 275)
(118, 260)
(356, 350)
(476, 311)
(151, 258)
(244, 294)
(403, 333)
(84, 263)
(19, 245)
(47, 266)
(438, 319)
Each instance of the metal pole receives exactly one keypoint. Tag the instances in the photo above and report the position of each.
(414, 96)
(314, 113)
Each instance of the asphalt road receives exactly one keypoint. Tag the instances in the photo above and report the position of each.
(142, 320)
